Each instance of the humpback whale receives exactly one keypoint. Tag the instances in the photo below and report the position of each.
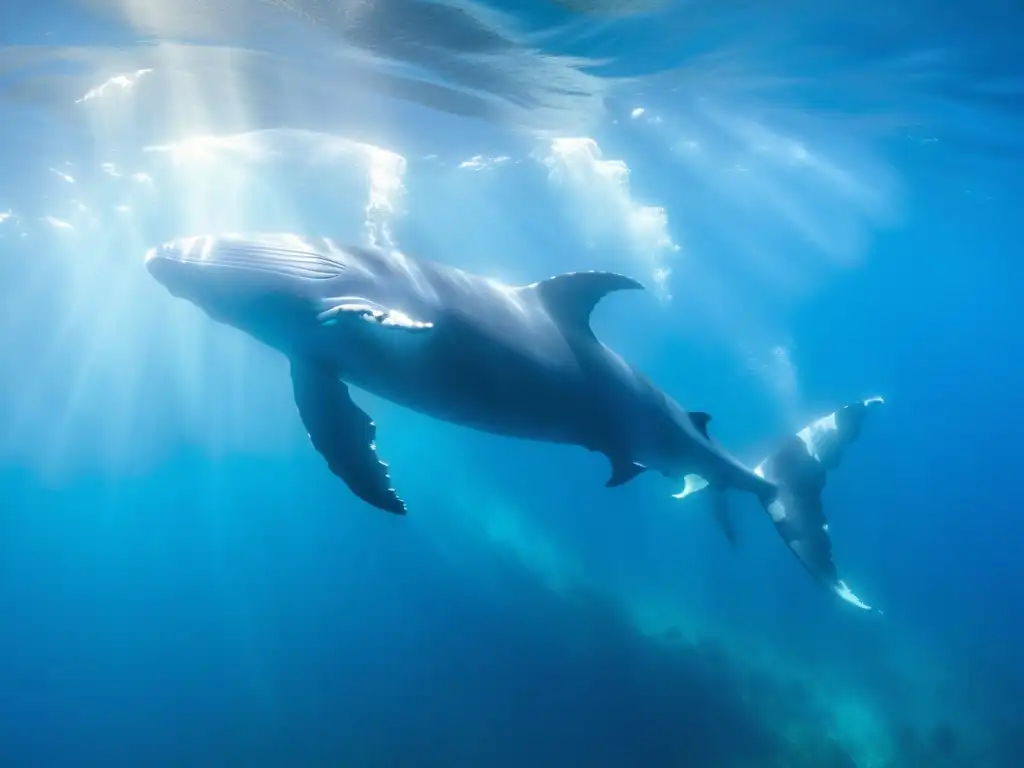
(799, 465)
(520, 361)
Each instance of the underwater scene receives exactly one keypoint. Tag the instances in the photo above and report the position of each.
(507, 383)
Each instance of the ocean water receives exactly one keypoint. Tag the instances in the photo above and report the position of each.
(823, 201)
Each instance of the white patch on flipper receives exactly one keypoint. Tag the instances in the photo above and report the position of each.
(372, 313)
(777, 511)
(396, 317)
(846, 594)
(691, 484)
(820, 434)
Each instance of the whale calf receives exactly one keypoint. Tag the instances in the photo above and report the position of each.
(520, 361)
(802, 460)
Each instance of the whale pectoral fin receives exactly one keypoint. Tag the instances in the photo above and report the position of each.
(720, 511)
(343, 434)
(623, 471)
(691, 484)
(361, 309)
(719, 503)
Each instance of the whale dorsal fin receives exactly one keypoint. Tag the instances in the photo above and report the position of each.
(700, 421)
(571, 297)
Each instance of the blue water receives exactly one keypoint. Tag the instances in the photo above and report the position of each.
(822, 201)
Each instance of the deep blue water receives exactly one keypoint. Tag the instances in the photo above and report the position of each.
(822, 200)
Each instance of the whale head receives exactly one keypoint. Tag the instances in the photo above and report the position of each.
(272, 288)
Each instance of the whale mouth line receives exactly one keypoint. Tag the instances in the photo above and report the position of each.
(251, 257)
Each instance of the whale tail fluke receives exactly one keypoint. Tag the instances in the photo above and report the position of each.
(798, 470)
(798, 515)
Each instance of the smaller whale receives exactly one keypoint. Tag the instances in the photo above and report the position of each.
(799, 466)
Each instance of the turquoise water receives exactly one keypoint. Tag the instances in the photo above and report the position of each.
(822, 203)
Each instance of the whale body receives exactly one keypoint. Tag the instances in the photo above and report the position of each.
(520, 361)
